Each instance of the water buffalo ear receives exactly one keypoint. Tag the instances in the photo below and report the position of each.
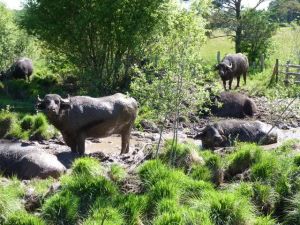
(65, 105)
(199, 136)
(40, 106)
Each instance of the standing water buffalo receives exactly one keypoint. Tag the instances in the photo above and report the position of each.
(225, 133)
(234, 105)
(233, 65)
(21, 69)
(80, 117)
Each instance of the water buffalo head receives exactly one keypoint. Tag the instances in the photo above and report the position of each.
(210, 137)
(224, 69)
(52, 104)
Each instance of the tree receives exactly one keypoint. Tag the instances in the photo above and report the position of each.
(285, 10)
(228, 15)
(257, 30)
(102, 38)
(14, 42)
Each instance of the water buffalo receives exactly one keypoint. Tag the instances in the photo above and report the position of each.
(233, 65)
(21, 69)
(225, 133)
(80, 117)
(232, 104)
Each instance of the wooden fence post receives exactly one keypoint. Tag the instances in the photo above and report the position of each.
(262, 62)
(276, 70)
(219, 57)
(287, 69)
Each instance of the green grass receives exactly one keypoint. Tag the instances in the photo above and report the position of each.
(23, 218)
(116, 173)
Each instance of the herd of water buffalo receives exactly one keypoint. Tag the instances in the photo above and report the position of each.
(80, 117)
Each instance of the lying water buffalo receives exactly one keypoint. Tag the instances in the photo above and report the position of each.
(236, 105)
(80, 117)
(225, 133)
(233, 65)
(28, 162)
(21, 69)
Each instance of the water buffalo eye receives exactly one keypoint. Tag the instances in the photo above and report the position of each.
(56, 102)
(47, 102)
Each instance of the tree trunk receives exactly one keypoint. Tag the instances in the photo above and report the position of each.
(238, 32)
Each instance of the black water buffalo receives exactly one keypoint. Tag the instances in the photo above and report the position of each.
(225, 133)
(80, 117)
(21, 69)
(28, 162)
(233, 65)
(235, 105)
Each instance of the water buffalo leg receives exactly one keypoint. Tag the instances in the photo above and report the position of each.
(238, 81)
(224, 84)
(125, 140)
(245, 77)
(81, 144)
(71, 142)
(230, 82)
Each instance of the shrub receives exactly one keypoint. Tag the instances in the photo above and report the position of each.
(107, 216)
(293, 211)
(244, 156)
(132, 208)
(41, 130)
(265, 198)
(27, 122)
(10, 199)
(200, 172)
(183, 155)
(87, 167)
(117, 173)
(225, 208)
(61, 209)
(169, 218)
(264, 220)
(152, 171)
(9, 126)
(23, 218)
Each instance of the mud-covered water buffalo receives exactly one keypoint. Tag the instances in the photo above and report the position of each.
(235, 105)
(233, 65)
(21, 69)
(225, 133)
(28, 162)
(80, 117)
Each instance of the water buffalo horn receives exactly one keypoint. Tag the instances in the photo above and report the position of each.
(230, 66)
(66, 101)
(38, 98)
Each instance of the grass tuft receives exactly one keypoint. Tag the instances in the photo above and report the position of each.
(23, 218)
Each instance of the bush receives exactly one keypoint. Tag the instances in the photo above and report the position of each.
(41, 130)
(184, 155)
(199, 172)
(86, 167)
(117, 173)
(132, 208)
(244, 156)
(107, 216)
(225, 208)
(61, 209)
(265, 198)
(293, 211)
(10, 199)
(264, 220)
(27, 122)
(23, 218)
(9, 126)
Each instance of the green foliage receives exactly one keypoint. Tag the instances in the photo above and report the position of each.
(27, 122)
(105, 216)
(115, 36)
(243, 157)
(117, 173)
(266, 220)
(225, 208)
(61, 209)
(199, 172)
(293, 211)
(41, 186)
(10, 199)
(22, 218)
(86, 167)
(9, 126)
(132, 208)
(257, 31)
(183, 155)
